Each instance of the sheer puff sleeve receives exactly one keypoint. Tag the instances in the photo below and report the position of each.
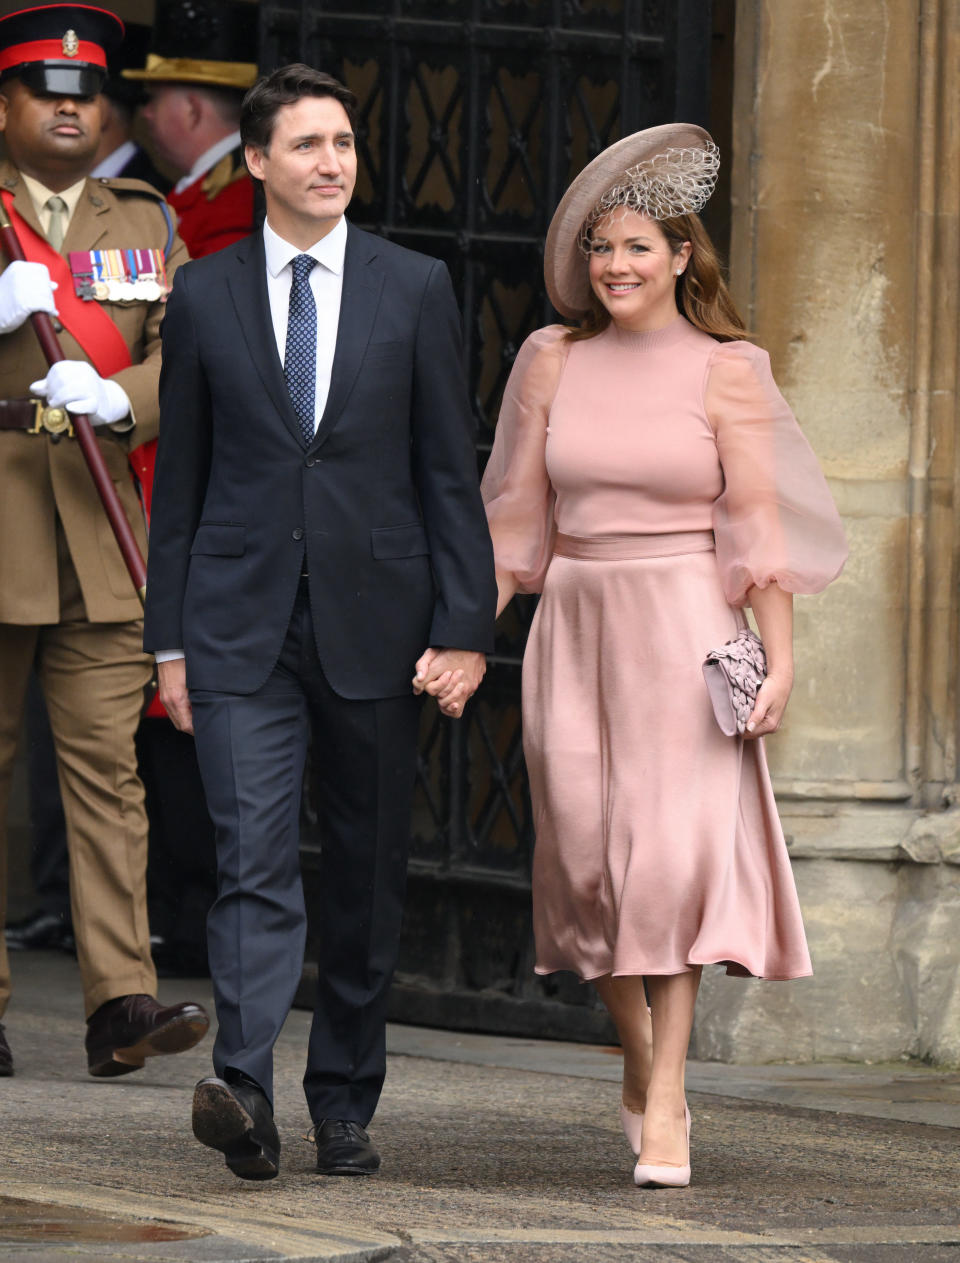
(516, 489)
(775, 521)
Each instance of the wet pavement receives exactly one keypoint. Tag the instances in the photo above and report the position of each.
(495, 1150)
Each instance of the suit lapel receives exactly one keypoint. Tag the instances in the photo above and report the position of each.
(360, 298)
(248, 289)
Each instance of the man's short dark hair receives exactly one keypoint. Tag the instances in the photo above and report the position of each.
(286, 86)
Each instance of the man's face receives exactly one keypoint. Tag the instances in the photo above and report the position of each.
(48, 134)
(311, 166)
(169, 116)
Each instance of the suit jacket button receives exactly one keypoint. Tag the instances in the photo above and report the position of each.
(310, 462)
(298, 532)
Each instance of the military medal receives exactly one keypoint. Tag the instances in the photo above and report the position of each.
(145, 268)
(115, 274)
(119, 276)
(81, 269)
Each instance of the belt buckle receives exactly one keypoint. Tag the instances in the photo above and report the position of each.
(56, 421)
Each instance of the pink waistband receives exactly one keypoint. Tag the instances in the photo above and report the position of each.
(632, 547)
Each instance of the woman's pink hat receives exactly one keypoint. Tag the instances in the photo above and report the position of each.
(660, 172)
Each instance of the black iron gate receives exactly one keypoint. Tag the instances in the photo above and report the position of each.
(474, 116)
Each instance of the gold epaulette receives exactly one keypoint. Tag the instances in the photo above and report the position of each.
(228, 169)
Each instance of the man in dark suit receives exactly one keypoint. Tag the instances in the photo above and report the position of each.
(316, 526)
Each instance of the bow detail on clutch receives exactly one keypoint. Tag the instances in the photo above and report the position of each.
(733, 674)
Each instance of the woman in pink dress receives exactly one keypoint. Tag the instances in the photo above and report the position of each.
(649, 479)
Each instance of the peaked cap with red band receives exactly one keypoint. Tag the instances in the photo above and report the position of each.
(59, 49)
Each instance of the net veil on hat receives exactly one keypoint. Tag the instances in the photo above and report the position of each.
(661, 172)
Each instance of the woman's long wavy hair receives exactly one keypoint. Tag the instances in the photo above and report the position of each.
(702, 294)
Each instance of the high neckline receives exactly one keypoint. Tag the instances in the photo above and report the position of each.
(652, 340)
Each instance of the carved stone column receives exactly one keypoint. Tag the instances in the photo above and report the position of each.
(845, 260)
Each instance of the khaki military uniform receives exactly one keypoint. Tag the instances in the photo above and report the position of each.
(68, 604)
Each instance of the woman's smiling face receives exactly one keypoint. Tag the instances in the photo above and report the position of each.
(633, 270)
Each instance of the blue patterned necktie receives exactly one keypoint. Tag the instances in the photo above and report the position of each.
(300, 353)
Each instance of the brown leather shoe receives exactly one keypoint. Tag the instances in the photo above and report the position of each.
(125, 1031)
(6, 1057)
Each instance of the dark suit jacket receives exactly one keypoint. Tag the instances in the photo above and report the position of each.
(385, 503)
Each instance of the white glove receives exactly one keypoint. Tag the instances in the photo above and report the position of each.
(76, 385)
(24, 289)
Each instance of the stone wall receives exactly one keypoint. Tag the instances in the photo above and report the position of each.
(845, 260)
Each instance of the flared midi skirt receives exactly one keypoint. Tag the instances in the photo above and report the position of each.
(658, 845)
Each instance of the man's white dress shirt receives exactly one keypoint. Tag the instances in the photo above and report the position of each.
(208, 160)
(115, 161)
(326, 282)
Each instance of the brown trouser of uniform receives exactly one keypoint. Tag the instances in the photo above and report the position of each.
(92, 676)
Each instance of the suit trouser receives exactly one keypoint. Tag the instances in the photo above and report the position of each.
(92, 676)
(252, 751)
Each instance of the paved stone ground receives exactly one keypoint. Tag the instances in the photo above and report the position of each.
(495, 1151)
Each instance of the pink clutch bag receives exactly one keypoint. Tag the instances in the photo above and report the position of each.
(734, 673)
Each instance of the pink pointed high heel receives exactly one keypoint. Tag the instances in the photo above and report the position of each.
(632, 1124)
(647, 1176)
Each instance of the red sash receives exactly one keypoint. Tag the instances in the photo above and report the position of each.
(87, 323)
(90, 326)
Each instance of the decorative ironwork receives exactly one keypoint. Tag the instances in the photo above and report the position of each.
(474, 116)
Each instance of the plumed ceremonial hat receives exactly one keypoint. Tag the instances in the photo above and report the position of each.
(60, 49)
(660, 172)
(212, 42)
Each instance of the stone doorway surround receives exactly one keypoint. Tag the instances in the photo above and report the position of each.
(845, 260)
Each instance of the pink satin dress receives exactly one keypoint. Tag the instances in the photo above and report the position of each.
(643, 482)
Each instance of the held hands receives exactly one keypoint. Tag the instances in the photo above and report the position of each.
(452, 676)
(76, 385)
(24, 289)
(772, 699)
(172, 681)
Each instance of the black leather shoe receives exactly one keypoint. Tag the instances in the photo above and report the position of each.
(38, 932)
(125, 1031)
(344, 1148)
(236, 1118)
(6, 1057)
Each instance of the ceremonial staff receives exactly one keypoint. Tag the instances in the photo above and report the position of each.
(50, 345)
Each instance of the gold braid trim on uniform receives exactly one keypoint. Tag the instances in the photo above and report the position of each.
(225, 172)
(224, 74)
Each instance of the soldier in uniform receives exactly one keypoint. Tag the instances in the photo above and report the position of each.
(49, 924)
(202, 60)
(101, 255)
